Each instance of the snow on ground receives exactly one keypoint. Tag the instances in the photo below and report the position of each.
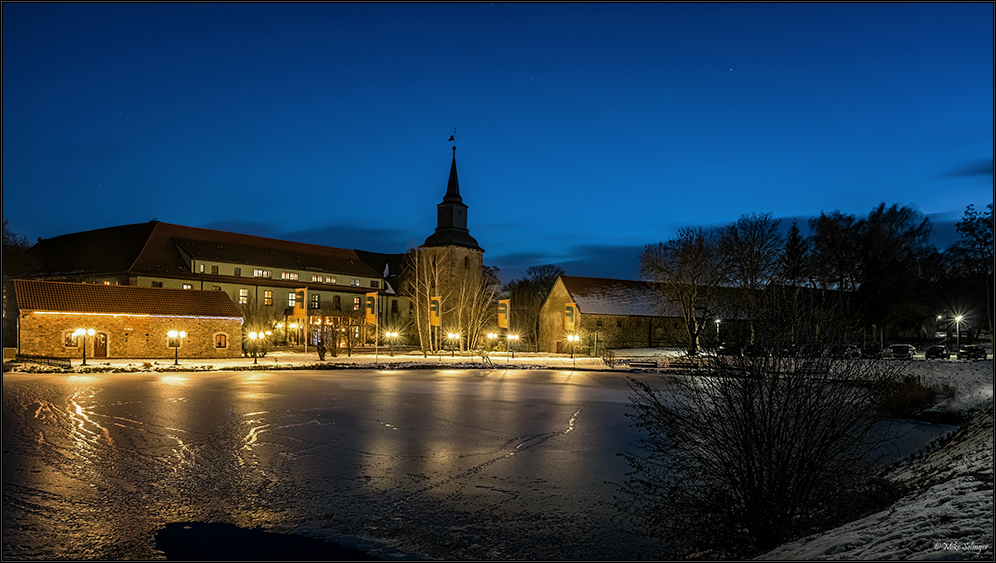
(950, 513)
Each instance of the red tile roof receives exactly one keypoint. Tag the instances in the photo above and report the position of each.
(157, 248)
(34, 295)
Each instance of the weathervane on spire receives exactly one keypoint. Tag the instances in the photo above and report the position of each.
(453, 138)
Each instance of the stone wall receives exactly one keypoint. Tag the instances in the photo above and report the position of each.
(128, 336)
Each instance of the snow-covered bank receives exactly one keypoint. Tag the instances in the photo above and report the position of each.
(949, 514)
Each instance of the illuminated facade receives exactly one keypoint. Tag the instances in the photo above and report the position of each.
(609, 314)
(124, 321)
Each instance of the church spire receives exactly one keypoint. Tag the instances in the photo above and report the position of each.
(451, 216)
(453, 187)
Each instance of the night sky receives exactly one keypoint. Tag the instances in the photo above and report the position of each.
(584, 131)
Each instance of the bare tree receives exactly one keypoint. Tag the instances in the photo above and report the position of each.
(420, 277)
(973, 253)
(754, 451)
(689, 269)
(753, 248)
(258, 318)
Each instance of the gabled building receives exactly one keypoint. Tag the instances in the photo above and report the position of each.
(278, 276)
(126, 321)
(608, 313)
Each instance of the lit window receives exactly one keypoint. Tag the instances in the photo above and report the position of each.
(216, 287)
(329, 279)
(202, 268)
(356, 282)
(243, 296)
(221, 341)
(267, 297)
(288, 275)
(187, 286)
(291, 299)
(262, 274)
(71, 340)
(316, 278)
(356, 303)
(107, 283)
(316, 301)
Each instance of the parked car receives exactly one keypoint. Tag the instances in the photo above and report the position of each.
(848, 351)
(902, 351)
(871, 353)
(972, 352)
(937, 351)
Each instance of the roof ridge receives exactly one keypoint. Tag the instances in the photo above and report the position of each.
(148, 238)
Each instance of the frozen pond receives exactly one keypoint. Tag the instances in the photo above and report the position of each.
(439, 464)
(479, 464)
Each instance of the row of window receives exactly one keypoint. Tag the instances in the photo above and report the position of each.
(315, 300)
(292, 276)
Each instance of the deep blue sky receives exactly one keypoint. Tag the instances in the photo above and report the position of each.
(584, 131)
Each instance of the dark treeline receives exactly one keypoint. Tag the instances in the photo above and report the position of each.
(879, 273)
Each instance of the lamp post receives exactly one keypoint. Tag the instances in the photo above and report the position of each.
(573, 338)
(512, 338)
(175, 338)
(391, 337)
(83, 333)
(717, 321)
(253, 337)
(958, 332)
(452, 336)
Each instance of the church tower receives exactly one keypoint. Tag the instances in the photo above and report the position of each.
(453, 256)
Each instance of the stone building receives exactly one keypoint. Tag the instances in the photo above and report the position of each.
(449, 265)
(286, 281)
(609, 314)
(127, 321)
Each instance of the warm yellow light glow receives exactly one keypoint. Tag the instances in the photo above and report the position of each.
(253, 336)
(453, 336)
(183, 334)
(513, 336)
(172, 334)
(492, 335)
(959, 318)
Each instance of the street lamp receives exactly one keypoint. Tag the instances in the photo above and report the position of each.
(512, 338)
(391, 337)
(453, 336)
(83, 333)
(717, 321)
(573, 338)
(254, 343)
(175, 337)
(958, 331)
